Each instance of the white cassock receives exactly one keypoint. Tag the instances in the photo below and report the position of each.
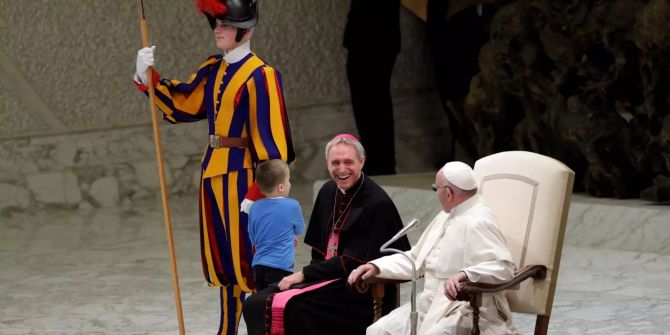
(467, 239)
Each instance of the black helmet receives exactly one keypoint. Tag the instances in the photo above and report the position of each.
(241, 14)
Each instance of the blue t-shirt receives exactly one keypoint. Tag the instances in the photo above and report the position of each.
(273, 225)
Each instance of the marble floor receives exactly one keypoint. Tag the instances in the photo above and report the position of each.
(106, 271)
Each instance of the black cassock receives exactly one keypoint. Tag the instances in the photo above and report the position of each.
(367, 221)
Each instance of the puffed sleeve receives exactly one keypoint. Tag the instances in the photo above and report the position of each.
(268, 122)
(182, 101)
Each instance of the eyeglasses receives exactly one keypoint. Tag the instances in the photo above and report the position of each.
(435, 187)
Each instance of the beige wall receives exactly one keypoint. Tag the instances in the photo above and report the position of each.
(66, 64)
(74, 131)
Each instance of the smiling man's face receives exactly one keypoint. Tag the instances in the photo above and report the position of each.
(344, 165)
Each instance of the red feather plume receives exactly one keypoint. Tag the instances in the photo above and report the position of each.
(211, 7)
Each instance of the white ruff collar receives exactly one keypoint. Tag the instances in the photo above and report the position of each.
(238, 53)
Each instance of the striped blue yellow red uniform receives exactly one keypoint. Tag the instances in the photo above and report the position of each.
(242, 99)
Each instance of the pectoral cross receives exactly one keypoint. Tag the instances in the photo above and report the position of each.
(333, 241)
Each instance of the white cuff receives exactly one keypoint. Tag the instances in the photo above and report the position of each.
(138, 79)
(245, 206)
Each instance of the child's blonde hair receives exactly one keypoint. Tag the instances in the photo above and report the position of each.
(271, 173)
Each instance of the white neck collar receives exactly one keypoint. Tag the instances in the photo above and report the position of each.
(238, 53)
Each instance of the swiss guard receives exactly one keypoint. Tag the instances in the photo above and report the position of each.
(241, 98)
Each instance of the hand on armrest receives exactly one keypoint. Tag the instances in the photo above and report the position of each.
(454, 285)
(529, 271)
(363, 272)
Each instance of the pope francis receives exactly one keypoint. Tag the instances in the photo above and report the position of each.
(463, 242)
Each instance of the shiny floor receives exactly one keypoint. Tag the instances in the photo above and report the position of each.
(106, 271)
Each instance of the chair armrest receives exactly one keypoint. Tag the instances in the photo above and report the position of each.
(363, 286)
(528, 271)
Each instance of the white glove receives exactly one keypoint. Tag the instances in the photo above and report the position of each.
(145, 59)
(245, 206)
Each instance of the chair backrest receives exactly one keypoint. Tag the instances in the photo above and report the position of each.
(530, 195)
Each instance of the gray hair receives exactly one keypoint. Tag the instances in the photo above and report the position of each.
(338, 140)
(459, 191)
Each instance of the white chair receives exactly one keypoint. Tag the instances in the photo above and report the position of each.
(530, 195)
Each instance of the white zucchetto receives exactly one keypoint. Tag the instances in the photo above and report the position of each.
(460, 175)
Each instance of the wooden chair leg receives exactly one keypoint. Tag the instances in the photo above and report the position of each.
(542, 325)
(475, 303)
(377, 297)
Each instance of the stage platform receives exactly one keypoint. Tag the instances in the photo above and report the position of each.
(106, 271)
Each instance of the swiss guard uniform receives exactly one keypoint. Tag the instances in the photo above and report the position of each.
(241, 98)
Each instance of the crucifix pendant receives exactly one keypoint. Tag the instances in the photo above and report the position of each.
(333, 241)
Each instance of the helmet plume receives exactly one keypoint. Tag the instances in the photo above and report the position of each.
(212, 7)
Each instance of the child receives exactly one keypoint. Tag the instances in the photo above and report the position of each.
(274, 221)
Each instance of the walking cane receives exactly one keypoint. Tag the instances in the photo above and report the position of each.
(161, 173)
